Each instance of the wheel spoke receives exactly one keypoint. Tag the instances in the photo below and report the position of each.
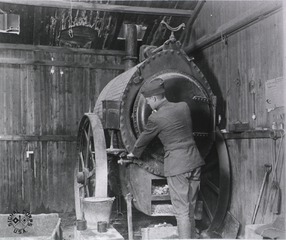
(92, 157)
(81, 159)
(212, 186)
(87, 136)
(91, 173)
(87, 191)
(206, 206)
(80, 185)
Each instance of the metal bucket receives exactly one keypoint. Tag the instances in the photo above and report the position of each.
(96, 210)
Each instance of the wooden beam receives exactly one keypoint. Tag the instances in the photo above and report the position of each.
(103, 7)
(52, 138)
(21, 61)
(254, 134)
(61, 49)
(244, 20)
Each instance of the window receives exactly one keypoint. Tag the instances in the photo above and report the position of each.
(9, 22)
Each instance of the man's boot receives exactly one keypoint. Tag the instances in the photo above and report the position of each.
(184, 229)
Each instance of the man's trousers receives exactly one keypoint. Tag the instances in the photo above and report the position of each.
(184, 190)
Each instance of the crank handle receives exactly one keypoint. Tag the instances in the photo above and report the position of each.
(122, 161)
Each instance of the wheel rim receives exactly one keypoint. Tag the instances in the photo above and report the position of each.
(90, 176)
(215, 184)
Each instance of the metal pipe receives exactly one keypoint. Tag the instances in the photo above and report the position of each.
(129, 216)
(130, 46)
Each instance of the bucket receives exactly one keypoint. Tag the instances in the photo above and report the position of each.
(96, 210)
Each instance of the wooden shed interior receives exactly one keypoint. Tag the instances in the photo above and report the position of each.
(57, 56)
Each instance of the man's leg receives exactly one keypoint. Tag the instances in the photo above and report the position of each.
(194, 183)
(179, 192)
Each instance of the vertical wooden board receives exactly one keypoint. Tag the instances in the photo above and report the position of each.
(14, 174)
(38, 172)
(69, 102)
(75, 93)
(54, 96)
(87, 101)
(71, 161)
(93, 92)
(15, 99)
(49, 175)
(80, 108)
(37, 99)
(68, 160)
(26, 168)
(1, 174)
(32, 187)
(233, 82)
(44, 176)
(74, 87)
(11, 175)
(23, 99)
(49, 80)
(3, 186)
(47, 93)
(57, 101)
(2, 100)
(18, 156)
(7, 178)
(62, 102)
(7, 102)
(72, 100)
(56, 177)
(42, 99)
(30, 101)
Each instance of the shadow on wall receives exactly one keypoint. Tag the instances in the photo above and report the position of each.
(202, 63)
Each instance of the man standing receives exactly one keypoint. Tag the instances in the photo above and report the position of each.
(172, 123)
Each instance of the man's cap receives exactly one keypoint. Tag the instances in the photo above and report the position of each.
(153, 88)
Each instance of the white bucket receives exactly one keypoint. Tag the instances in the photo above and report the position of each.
(96, 210)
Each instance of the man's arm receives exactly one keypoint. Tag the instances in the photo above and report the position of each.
(150, 131)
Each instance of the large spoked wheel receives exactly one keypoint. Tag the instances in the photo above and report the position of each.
(215, 187)
(90, 176)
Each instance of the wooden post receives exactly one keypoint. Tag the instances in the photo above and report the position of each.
(130, 46)
(284, 45)
(129, 216)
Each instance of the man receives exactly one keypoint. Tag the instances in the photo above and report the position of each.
(172, 123)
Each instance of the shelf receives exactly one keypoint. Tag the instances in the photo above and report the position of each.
(165, 197)
(253, 134)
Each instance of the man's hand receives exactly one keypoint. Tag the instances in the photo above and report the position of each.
(130, 156)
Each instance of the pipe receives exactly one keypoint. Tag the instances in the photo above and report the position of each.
(130, 46)
(241, 22)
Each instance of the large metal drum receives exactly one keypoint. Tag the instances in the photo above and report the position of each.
(119, 117)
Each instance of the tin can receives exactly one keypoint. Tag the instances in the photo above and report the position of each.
(102, 226)
(81, 225)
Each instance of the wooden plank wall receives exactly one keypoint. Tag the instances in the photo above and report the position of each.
(41, 105)
(252, 54)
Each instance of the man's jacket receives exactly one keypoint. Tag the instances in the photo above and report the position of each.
(173, 125)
